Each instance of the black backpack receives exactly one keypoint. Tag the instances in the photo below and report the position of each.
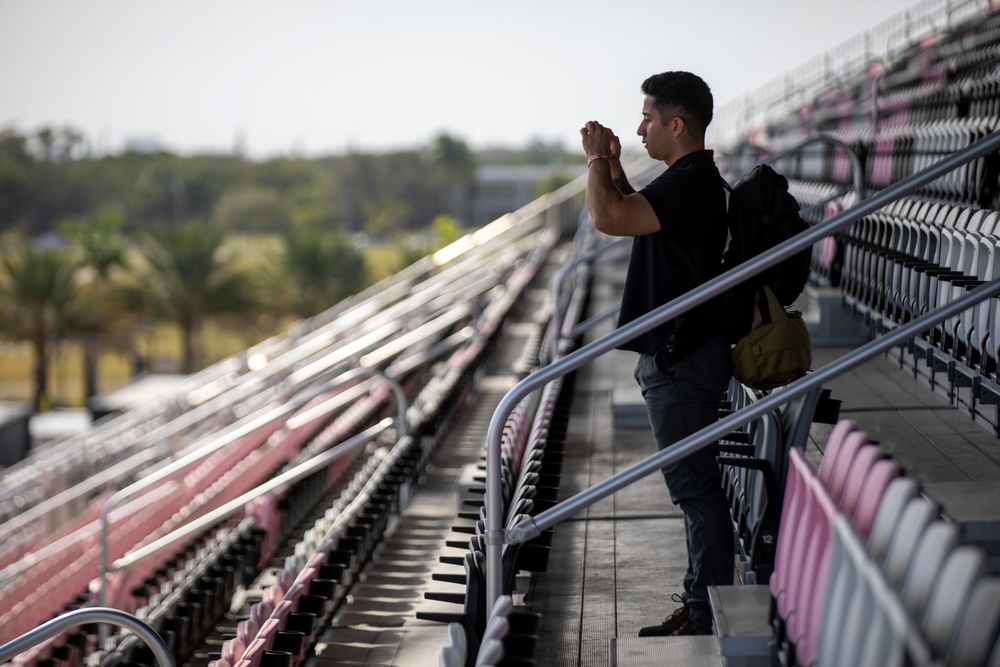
(762, 214)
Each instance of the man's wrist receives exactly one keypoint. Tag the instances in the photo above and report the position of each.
(597, 156)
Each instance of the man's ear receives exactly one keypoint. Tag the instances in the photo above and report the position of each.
(677, 126)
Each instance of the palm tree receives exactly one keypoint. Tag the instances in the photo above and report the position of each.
(319, 269)
(39, 303)
(190, 279)
(99, 241)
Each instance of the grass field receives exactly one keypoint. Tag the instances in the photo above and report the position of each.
(159, 346)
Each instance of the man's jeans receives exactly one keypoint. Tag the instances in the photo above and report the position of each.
(683, 397)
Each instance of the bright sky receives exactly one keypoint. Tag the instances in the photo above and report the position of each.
(323, 76)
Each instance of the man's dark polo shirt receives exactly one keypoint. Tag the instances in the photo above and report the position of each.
(690, 203)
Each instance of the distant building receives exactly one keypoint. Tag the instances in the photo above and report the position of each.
(147, 144)
(15, 439)
(502, 188)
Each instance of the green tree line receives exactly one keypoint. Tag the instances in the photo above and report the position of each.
(51, 175)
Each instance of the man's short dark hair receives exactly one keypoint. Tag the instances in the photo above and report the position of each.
(681, 94)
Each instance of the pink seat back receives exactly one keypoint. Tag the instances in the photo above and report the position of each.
(839, 433)
(789, 527)
(798, 566)
(878, 480)
(816, 576)
(863, 463)
(842, 466)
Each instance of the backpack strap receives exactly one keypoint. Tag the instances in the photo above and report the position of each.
(728, 191)
(714, 309)
(675, 249)
(727, 186)
(764, 305)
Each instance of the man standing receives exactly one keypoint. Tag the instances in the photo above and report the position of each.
(684, 366)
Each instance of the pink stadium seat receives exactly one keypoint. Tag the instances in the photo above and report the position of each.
(857, 476)
(872, 492)
(834, 443)
(792, 527)
(816, 581)
(807, 586)
(842, 466)
(232, 650)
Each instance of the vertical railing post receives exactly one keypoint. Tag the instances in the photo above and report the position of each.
(557, 289)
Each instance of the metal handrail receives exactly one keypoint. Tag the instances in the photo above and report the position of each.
(220, 441)
(295, 474)
(733, 119)
(495, 534)
(60, 624)
(563, 275)
(876, 90)
(533, 526)
(858, 168)
(592, 322)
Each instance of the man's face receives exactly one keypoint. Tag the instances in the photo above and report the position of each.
(659, 139)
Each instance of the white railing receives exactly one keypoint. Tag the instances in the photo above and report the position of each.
(735, 120)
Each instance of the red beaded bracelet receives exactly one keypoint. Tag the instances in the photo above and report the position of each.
(596, 156)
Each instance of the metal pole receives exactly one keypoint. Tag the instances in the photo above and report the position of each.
(300, 471)
(858, 170)
(402, 404)
(557, 287)
(876, 89)
(532, 527)
(89, 615)
(219, 442)
(494, 511)
(589, 324)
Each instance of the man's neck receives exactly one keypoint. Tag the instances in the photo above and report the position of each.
(687, 149)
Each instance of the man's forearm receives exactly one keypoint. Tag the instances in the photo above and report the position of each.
(618, 177)
(602, 194)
